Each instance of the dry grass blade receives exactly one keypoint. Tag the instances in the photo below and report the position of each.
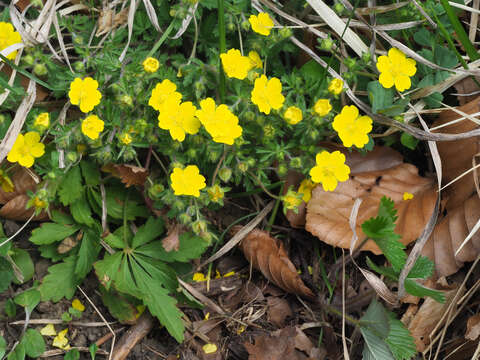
(200, 297)
(381, 9)
(131, 16)
(152, 15)
(337, 24)
(186, 22)
(263, 252)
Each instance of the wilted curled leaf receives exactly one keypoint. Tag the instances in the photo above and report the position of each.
(128, 174)
(328, 213)
(15, 209)
(271, 259)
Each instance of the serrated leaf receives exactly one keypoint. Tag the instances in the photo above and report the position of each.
(414, 288)
(158, 271)
(374, 327)
(397, 108)
(385, 271)
(434, 100)
(399, 340)
(107, 268)
(6, 274)
(146, 233)
(81, 211)
(48, 233)
(120, 308)
(428, 80)
(191, 247)
(376, 319)
(28, 299)
(377, 347)
(50, 252)
(24, 262)
(62, 218)
(393, 251)
(379, 97)
(114, 241)
(90, 173)
(33, 343)
(115, 200)
(71, 187)
(87, 254)
(60, 281)
(422, 269)
(445, 57)
(409, 141)
(424, 37)
(18, 353)
(3, 347)
(387, 209)
(73, 354)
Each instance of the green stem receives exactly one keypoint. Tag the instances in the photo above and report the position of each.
(275, 210)
(161, 40)
(222, 47)
(460, 31)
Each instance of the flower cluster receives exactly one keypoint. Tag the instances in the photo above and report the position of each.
(396, 69)
(351, 128)
(8, 36)
(187, 181)
(26, 148)
(330, 168)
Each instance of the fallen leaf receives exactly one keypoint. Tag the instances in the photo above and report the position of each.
(278, 347)
(128, 174)
(328, 213)
(69, 243)
(109, 20)
(209, 348)
(271, 259)
(464, 87)
(15, 209)
(278, 310)
(172, 240)
(22, 181)
(473, 327)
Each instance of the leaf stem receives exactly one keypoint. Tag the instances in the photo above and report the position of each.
(222, 42)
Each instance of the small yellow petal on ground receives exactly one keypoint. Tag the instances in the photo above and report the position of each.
(48, 330)
(209, 348)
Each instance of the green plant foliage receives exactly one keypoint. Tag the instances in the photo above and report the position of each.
(33, 343)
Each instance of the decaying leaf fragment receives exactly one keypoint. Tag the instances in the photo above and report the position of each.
(274, 347)
(271, 259)
(328, 213)
(473, 327)
(110, 20)
(129, 174)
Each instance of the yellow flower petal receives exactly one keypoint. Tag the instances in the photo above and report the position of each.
(48, 330)
(396, 69)
(60, 341)
(407, 196)
(187, 181)
(77, 305)
(209, 348)
(199, 277)
(261, 23)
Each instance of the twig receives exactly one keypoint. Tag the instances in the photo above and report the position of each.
(133, 336)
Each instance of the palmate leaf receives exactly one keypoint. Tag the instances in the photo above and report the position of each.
(148, 232)
(81, 211)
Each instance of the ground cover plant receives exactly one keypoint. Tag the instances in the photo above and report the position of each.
(144, 140)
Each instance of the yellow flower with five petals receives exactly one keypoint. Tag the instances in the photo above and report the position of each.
(26, 148)
(92, 126)
(261, 23)
(267, 94)
(166, 90)
(187, 181)
(84, 93)
(235, 64)
(335, 86)
(352, 129)
(293, 115)
(322, 107)
(396, 69)
(150, 64)
(178, 118)
(8, 36)
(42, 121)
(330, 169)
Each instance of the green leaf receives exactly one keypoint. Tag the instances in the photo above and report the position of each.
(399, 340)
(107, 268)
(409, 141)
(90, 173)
(33, 343)
(424, 37)
(146, 233)
(422, 269)
(434, 100)
(374, 328)
(28, 299)
(73, 354)
(24, 262)
(414, 288)
(60, 281)
(71, 187)
(10, 308)
(93, 350)
(6, 274)
(81, 211)
(375, 347)
(50, 252)
(387, 209)
(396, 109)
(379, 97)
(62, 218)
(120, 308)
(115, 199)
(191, 247)
(87, 254)
(114, 241)
(48, 233)
(18, 353)
(428, 80)
(393, 251)
(158, 271)
(385, 271)
(444, 57)
(3, 347)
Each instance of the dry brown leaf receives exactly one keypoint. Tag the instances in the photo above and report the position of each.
(172, 240)
(279, 347)
(271, 259)
(473, 327)
(69, 243)
(128, 174)
(427, 319)
(328, 213)
(109, 20)
(22, 182)
(278, 310)
(457, 155)
(464, 87)
(15, 209)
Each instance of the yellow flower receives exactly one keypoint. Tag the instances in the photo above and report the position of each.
(178, 118)
(8, 36)
(407, 196)
(267, 94)
(39, 204)
(241, 329)
(5, 182)
(125, 138)
(209, 348)
(215, 193)
(166, 90)
(199, 277)
(150, 64)
(352, 129)
(219, 121)
(291, 200)
(60, 341)
(187, 181)
(330, 169)
(322, 107)
(236, 65)
(84, 93)
(335, 86)
(92, 126)
(261, 24)
(396, 69)
(42, 121)
(77, 305)
(230, 273)
(255, 59)
(293, 115)
(48, 330)
(26, 148)
(305, 188)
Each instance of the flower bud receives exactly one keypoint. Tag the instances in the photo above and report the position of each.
(245, 25)
(78, 40)
(72, 156)
(225, 174)
(366, 57)
(326, 44)
(350, 63)
(154, 191)
(249, 115)
(282, 170)
(178, 205)
(269, 131)
(129, 154)
(313, 134)
(51, 175)
(296, 163)
(285, 32)
(177, 164)
(199, 226)
(339, 8)
(242, 166)
(207, 236)
(78, 66)
(213, 155)
(126, 100)
(192, 153)
(40, 69)
(28, 60)
(184, 219)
